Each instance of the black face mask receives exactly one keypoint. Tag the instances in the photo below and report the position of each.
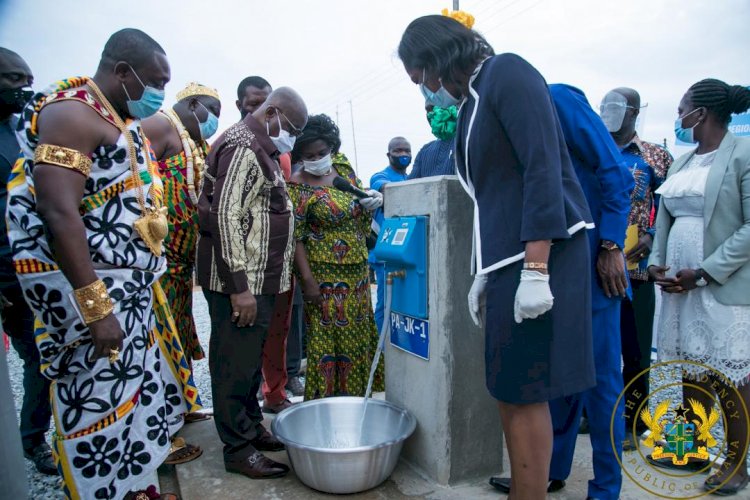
(13, 100)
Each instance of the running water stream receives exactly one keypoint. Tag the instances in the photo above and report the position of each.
(376, 359)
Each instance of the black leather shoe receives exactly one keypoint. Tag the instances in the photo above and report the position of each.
(257, 466)
(41, 455)
(584, 427)
(555, 485)
(267, 442)
(502, 484)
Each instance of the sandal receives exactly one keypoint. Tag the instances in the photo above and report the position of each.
(196, 417)
(181, 452)
(151, 494)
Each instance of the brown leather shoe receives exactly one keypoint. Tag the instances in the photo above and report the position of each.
(267, 408)
(257, 466)
(267, 442)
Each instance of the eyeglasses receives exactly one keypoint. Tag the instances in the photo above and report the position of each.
(296, 131)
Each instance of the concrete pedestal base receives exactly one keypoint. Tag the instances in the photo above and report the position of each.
(458, 436)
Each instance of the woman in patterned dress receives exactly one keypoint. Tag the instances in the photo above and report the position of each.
(331, 261)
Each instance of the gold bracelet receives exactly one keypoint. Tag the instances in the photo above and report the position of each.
(94, 301)
(63, 157)
(535, 265)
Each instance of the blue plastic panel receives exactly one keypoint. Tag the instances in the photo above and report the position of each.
(402, 244)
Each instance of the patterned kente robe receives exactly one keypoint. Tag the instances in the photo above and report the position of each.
(179, 248)
(112, 421)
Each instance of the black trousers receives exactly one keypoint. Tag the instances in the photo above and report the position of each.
(294, 346)
(637, 330)
(18, 321)
(234, 361)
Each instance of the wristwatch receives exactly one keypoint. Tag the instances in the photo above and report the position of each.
(700, 278)
(609, 245)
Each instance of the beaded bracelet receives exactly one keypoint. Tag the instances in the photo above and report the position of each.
(535, 265)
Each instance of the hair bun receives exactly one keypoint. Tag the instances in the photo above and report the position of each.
(738, 99)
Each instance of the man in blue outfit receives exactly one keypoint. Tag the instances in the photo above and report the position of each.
(399, 157)
(607, 184)
(649, 163)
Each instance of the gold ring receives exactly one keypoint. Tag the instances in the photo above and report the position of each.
(114, 355)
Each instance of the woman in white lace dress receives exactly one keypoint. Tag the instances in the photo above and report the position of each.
(701, 261)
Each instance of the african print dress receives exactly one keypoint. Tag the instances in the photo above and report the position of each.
(180, 251)
(112, 421)
(341, 333)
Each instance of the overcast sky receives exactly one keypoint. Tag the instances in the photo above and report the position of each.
(334, 52)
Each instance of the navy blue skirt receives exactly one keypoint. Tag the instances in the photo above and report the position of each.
(550, 356)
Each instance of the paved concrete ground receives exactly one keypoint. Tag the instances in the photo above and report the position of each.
(205, 478)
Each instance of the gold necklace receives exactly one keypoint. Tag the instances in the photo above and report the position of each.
(152, 225)
(193, 155)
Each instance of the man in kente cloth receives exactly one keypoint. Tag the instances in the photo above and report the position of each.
(178, 140)
(86, 225)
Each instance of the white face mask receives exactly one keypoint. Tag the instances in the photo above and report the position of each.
(284, 142)
(319, 167)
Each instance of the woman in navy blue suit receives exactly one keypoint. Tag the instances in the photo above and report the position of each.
(531, 252)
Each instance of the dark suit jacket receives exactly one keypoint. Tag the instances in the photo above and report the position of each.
(512, 159)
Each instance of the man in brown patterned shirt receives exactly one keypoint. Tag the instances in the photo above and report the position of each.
(244, 261)
(649, 164)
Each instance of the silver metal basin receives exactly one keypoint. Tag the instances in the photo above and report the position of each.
(329, 453)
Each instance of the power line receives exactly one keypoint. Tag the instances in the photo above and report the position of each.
(500, 10)
(361, 82)
(373, 79)
(339, 98)
(506, 21)
(392, 80)
(368, 85)
(492, 8)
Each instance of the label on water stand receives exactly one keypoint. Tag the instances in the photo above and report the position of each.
(411, 335)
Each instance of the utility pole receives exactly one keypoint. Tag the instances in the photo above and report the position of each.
(455, 4)
(354, 139)
(337, 114)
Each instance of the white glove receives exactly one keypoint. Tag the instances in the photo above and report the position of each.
(533, 296)
(373, 201)
(478, 299)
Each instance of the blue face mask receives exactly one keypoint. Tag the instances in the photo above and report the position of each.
(401, 162)
(149, 103)
(441, 99)
(685, 134)
(209, 127)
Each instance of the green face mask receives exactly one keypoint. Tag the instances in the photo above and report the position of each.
(443, 122)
